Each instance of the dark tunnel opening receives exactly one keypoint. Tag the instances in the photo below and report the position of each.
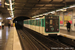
(19, 21)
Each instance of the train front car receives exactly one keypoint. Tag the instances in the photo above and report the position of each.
(52, 24)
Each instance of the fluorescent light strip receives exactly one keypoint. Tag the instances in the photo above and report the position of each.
(10, 4)
(63, 9)
(72, 6)
(12, 15)
(6, 3)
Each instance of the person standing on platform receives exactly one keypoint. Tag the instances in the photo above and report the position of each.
(68, 26)
(2, 25)
(9, 25)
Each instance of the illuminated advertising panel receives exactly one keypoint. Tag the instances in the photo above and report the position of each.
(61, 18)
(60, 14)
(67, 17)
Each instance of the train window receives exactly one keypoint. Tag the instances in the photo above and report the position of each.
(39, 22)
(43, 22)
(34, 22)
(30, 22)
(27, 21)
(50, 21)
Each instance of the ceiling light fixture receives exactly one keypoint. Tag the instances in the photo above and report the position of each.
(12, 15)
(6, 3)
(63, 9)
(72, 6)
(8, 18)
(53, 12)
(8, 9)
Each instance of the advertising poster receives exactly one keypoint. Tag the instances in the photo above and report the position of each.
(67, 17)
(61, 18)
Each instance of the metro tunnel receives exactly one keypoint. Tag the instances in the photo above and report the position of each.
(37, 24)
(19, 21)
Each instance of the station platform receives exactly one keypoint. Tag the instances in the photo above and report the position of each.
(70, 34)
(3, 37)
(9, 39)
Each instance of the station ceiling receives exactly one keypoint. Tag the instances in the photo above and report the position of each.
(31, 8)
(4, 12)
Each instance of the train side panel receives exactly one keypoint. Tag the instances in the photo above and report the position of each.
(45, 26)
(40, 25)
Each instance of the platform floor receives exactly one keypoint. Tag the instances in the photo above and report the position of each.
(7, 35)
(9, 39)
(69, 33)
(3, 37)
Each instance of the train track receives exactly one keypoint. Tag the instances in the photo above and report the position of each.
(46, 41)
(37, 41)
(33, 43)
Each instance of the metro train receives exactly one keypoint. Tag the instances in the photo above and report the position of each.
(45, 25)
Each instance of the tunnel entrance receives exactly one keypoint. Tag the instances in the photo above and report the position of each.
(19, 21)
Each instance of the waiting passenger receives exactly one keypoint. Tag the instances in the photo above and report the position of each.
(68, 26)
(2, 25)
(9, 25)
